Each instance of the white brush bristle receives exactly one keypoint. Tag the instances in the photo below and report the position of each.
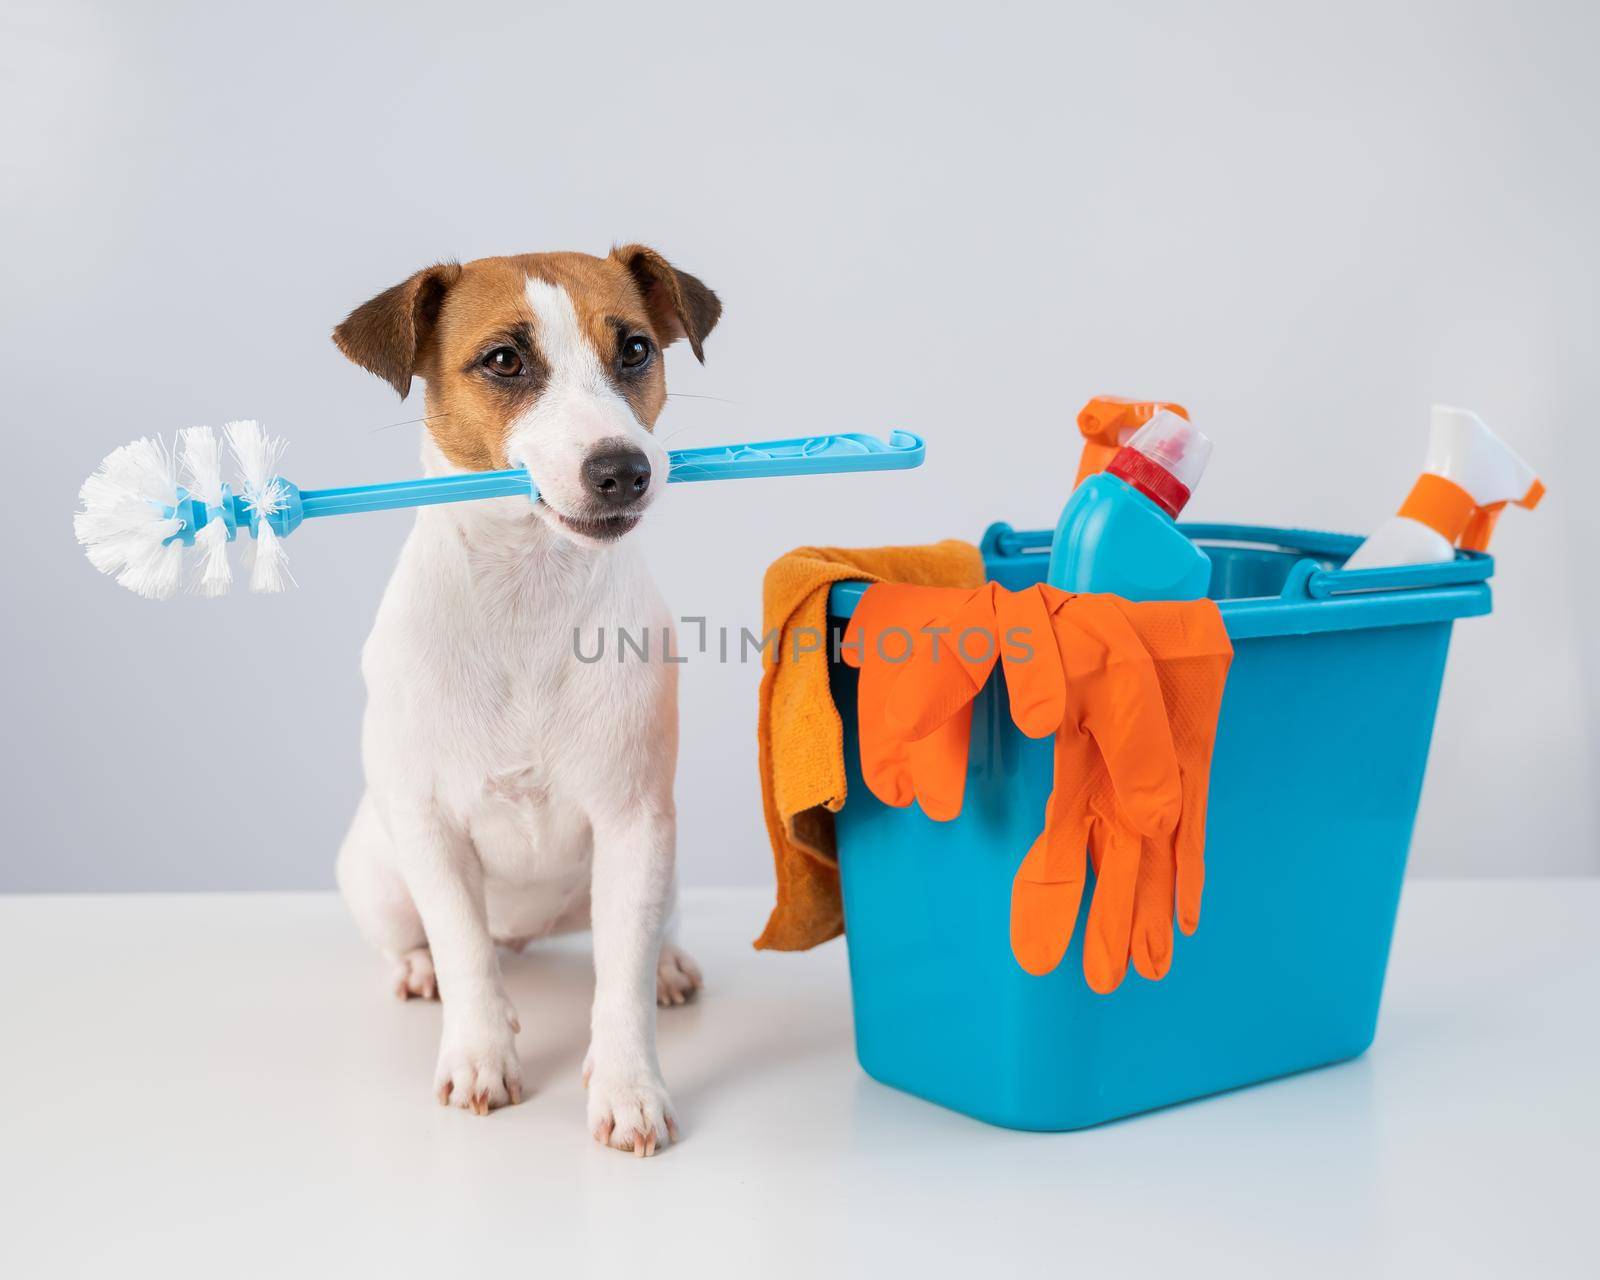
(257, 455)
(121, 525)
(269, 570)
(214, 575)
(201, 457)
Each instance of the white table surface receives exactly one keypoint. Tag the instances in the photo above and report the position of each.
(220, 1085)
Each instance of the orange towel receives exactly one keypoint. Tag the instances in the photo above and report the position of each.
(799, 733)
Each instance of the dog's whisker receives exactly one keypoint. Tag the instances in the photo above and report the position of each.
(390, 426)
(686, 395)
(688, 468)
(684, 464)
(693, 426)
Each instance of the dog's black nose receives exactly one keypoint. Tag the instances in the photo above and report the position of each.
(617, 476)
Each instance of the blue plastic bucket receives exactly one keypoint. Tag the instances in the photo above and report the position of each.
(1320, 752)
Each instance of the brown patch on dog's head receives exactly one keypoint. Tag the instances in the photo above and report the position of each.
(473, 335)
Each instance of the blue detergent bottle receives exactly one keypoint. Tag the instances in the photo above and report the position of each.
(1118, 532)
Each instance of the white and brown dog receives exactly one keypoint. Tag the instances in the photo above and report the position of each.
(514, 791)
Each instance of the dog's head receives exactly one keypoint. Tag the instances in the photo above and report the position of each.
(549, 361)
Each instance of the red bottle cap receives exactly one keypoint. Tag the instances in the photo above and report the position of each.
(1164, 461)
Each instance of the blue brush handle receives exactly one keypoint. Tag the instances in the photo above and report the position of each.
(801, 456)
(416, 493)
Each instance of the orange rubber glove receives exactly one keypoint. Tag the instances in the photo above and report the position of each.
(923, 653)
(1132, 692)
(973, 631)
(885, 634)
(1074, 667)
(1155, 671)
(1115, 783)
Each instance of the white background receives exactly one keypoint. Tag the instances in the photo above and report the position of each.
(1303, 221)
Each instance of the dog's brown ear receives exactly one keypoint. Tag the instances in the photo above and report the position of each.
(386, 335)
(679, 305)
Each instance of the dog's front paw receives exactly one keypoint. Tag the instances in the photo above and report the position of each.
(630, 1114)
(478, 1065)
(677, 976)
(414, 977)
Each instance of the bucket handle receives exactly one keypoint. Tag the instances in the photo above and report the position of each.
(1000, 539)
(1320, 584)
(1310, 579)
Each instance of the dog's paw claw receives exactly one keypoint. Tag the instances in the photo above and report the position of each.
(414, 977)
(677, 976)
(479, 1071)
(631, 1116)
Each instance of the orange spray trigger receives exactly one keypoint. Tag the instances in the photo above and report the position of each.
(1107, 422)
(1480, 527)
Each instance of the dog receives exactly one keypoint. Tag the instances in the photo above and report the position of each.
(514, 791)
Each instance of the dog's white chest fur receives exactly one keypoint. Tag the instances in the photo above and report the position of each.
(477, 687)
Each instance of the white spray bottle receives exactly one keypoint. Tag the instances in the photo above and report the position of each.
(1468, 478)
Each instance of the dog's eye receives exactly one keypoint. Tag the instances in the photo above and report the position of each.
(635, 351)
(503, 361)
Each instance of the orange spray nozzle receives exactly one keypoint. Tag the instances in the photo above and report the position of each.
(1106, 423)
(1480, 526)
